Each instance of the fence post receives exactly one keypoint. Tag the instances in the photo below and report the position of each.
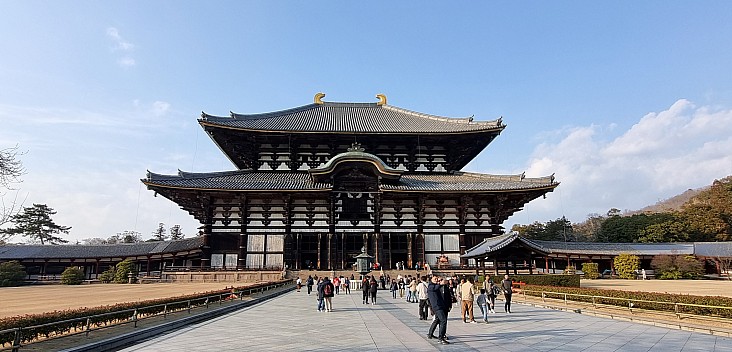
(206, 302)
(221, 298)
(16, 341)
(565, 300)
(189, 306)
(543, 297)
(676, 310)
(593, 302)
(134, 317)
(88, 326)
(165, 311)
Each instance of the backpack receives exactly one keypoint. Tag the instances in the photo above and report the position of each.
(496, 290)
(310, 281)
(327, 290)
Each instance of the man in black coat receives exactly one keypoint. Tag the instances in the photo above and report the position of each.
(440, 308)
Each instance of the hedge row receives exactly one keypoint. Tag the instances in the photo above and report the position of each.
(548, 280)
(78, 322)
(624, 298)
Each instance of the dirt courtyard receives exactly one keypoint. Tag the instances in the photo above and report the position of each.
(47, 298)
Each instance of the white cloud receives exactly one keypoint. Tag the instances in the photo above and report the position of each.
(662, 155)
(122, 45)
(160, 108)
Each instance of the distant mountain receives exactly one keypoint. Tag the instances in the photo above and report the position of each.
(672, 204)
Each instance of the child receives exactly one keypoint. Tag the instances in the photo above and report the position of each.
(482, 302)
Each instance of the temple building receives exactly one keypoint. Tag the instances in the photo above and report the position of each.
(316, 183)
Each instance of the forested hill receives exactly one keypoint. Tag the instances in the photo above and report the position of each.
(674, 203)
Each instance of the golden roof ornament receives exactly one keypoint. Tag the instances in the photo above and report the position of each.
(382, 99)
(319, 98)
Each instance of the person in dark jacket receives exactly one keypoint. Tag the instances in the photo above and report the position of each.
(365, 287)
(507, 287)
(309, 283)
(373, 287)
(436, 297)
(328, 289)
(321, 298)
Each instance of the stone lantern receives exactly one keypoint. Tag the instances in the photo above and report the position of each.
(363, 262)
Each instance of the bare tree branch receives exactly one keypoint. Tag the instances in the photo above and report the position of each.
(10, 167)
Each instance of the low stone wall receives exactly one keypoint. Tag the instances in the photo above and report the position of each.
(221, 276)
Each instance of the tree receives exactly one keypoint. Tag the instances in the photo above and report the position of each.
(626, 265)
(159, 233)
(93, 241)
(72, 276)
(35, 223)
(122, 271)
(11, 274)
(176, 233)
(673, 267)
(10, 171)
(589, 230)
(126, 236)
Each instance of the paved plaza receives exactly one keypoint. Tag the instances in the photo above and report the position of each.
(291, 323)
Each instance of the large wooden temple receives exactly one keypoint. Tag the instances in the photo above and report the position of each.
(314, 184)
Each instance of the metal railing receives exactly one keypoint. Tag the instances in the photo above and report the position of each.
(87, 324)
(630, 303)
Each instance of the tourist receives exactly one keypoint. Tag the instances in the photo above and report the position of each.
(382, 281)
(413, 290)
(319, 290)
(436, 297)
(401, 288)
(507, 288)
(482, 302)
(467, 297)
(492, 292)
(373, 287)
(328, 291)
(394, 288)
(337, 284)
(309, 284)
(422, 297)
(347, 285)
(299, 284)
(643, 274)
(365, 286)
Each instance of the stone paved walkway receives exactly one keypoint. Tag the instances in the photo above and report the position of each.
(291, 323)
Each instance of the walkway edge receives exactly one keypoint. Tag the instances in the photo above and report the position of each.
(131, 338)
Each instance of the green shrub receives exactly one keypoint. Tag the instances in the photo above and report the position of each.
(108, 275)
(591, 270)
(673, 267)
(122, 271)
(641, 300)
(548, 280)
(11, 274)
(626, 265)
(72, 276)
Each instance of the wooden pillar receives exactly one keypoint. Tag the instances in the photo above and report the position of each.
(546, 262)
(409, 250)
(320, 236)
(148, 265)
(330, 251)
(391, 261)
(96, 267)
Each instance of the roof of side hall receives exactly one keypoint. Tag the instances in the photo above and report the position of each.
(331, 117)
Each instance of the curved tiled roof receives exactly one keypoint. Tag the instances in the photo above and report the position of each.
(248, 180)
(350, 118)
(20, 252)
(707, 249)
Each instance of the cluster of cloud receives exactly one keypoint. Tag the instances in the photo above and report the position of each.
(123, 46)
(660, 156)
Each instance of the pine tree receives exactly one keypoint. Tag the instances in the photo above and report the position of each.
(35, 223)
(176, 233)
(159, 233)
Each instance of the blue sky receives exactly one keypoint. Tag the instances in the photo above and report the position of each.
(627, 102)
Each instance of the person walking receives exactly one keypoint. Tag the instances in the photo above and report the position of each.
(347, 285)
(393, 288)
(373, 287)
(337, 284)
(319, 291)
(492, 292)
(309, 283)
(299, 284)
(401, 288)
(467, 297)
(507, 288)
(436, 297)
(328, 289)
(422, 297)
(482, 302)
(365, 286)
(413, 290)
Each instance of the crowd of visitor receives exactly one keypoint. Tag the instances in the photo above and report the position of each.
(434, 295)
